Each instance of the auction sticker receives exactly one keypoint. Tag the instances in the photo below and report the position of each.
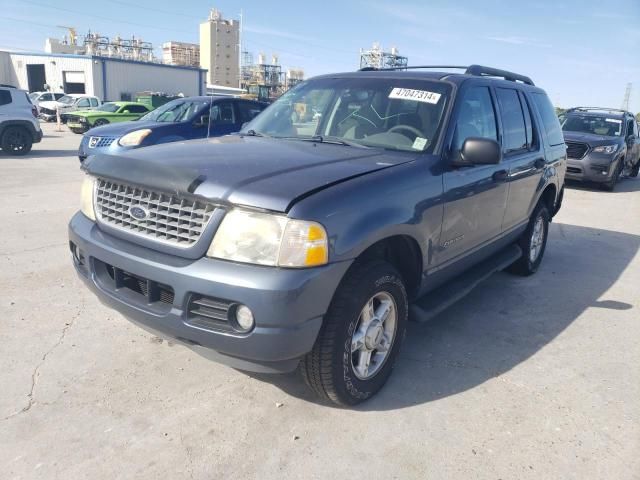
(415, 95)
(612, 120)
(419, 143)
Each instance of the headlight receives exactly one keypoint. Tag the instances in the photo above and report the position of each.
(86, 197)
(135, 138)
(266, 239)
(608, 149)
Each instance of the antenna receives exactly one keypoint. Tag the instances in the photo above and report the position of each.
(627, 97)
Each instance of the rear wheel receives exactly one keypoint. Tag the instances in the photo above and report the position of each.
(361, 335)
(532, 242)
(77, 130)
(16, 141)
(100, 122)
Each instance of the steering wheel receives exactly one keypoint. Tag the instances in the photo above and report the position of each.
(407, 128)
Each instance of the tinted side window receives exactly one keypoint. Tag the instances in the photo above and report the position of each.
(5, 97)
(249, 110)
(528, 121)
(94, 102)
(630, 125)
(476, 117)
(137, 109)
(514, 137)
(222, 114)
(549, 118)
(58, 95)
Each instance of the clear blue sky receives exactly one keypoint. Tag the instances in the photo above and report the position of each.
(581, 51)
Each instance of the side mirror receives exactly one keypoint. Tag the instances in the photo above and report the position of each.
(479, 151)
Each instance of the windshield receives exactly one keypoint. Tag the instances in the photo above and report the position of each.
(594, 124)
(34, 95)
(175, 111)
(67, 100)
(108, 107)
(398, 114)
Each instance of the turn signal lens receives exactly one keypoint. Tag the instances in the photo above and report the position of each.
(86, 197)
(304, 244)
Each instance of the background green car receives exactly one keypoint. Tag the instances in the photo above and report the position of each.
(110, 112)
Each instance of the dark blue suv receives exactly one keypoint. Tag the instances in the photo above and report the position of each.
(182, 119)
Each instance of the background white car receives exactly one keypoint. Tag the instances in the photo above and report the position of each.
(19, 125)
(37, 97)
(68, 103)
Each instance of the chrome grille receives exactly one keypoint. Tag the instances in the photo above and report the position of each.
(95, 142)
(576, 150)
(168, 219)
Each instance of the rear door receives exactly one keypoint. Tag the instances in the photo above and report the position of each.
(523, 154)
(633, 144)
(474, 196)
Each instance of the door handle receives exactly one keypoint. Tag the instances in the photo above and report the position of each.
(500, 176)
(539, 163)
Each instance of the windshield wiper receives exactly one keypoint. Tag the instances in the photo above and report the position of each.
(336, 140)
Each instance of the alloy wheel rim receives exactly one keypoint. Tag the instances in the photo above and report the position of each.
(16, 142)
(537, 239)
(373, 337)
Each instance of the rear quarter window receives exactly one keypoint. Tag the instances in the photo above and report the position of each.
(5, 97)
(550, 122)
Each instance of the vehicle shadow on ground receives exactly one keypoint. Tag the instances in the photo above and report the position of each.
(503, 322)
(40, 154)
(625, 184)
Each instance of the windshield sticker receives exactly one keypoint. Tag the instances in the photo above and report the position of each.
(419, 143)
(612, 120)
(415, 95)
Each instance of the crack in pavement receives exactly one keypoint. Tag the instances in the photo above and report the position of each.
(36, 370)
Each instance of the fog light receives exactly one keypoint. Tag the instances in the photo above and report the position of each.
(244, 318)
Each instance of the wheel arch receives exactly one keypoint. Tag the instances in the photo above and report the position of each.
(403, 252)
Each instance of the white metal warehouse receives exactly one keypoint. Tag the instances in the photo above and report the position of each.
(110, 79)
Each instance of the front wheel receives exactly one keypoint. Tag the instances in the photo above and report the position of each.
(16, 141)
(532, 242)
(611, 185)
(361, 335)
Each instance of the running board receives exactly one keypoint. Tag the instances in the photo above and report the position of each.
(434, 302)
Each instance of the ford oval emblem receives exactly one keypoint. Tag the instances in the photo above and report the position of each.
(139, 212)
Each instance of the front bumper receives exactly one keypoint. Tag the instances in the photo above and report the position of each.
(288, 304)
(592, 168)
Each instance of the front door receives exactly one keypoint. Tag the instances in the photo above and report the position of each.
(475, 196)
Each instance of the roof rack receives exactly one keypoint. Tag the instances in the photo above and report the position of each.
(597, 109)
(476, 70)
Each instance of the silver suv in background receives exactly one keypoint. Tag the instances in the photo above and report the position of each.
(602, 145)
(19, 126)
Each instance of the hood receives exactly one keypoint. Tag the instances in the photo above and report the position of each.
(88, 113)
(591, 139)
(117, 129)
(258, 172)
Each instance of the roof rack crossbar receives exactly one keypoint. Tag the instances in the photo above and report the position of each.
(476, 70)
(599, 109)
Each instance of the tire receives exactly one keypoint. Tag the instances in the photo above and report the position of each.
(77, 130)
(100, 122)
(635, 170)
(16, 141)
(329, 368)
(611, 185)
(529, 262)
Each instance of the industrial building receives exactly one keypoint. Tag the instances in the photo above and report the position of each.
(376, 57)
(109, 78)
(181, 53)
(220, 50)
